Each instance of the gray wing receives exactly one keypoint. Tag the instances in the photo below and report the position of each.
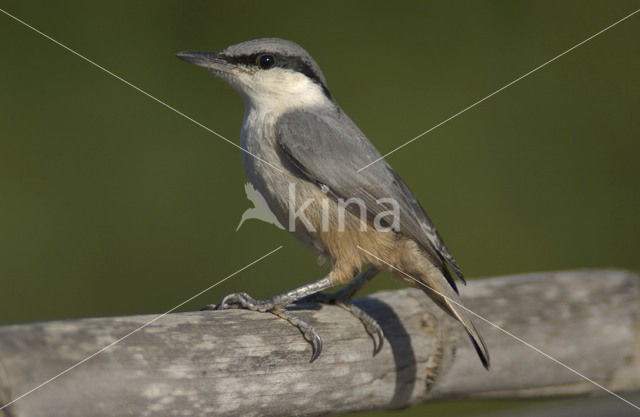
(328, 148)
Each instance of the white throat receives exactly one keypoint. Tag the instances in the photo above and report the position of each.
(278, 91)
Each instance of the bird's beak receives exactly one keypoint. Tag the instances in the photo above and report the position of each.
(209, 60)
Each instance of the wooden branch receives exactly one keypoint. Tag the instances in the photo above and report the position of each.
(239, 363)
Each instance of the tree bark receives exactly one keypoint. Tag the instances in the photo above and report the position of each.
(240, 363)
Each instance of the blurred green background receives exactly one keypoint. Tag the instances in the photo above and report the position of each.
(111, 204)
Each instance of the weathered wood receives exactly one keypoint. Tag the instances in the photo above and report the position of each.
(238, 363)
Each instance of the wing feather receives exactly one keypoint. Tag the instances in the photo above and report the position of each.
(328, 148)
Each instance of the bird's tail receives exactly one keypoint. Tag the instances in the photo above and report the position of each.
(444, 295)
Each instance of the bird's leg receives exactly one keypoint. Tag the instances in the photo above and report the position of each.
(277, 306)
(346, 293)
(343, 298)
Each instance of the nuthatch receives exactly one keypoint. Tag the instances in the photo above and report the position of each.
(303, 154)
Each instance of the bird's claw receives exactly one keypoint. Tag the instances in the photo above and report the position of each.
(371, 326)
(308, 332)
(342, 298)
(316, 346)
(242, 300)
(237, 300)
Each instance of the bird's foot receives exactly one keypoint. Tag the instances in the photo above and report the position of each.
(241, 300)
(244, 301)
(342, 299)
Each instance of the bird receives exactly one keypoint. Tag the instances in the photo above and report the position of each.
(305, 156)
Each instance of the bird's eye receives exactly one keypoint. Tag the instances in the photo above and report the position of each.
(266, 61)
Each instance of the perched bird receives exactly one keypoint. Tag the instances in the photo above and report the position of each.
(303, 154)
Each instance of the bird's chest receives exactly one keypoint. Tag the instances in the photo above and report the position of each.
(262, 162)
(272, 175)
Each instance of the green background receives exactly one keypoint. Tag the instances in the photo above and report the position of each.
(111, 204)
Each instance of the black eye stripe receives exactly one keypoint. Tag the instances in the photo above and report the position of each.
(282, 61)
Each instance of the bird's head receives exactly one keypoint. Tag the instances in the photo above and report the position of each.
(270, 74)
